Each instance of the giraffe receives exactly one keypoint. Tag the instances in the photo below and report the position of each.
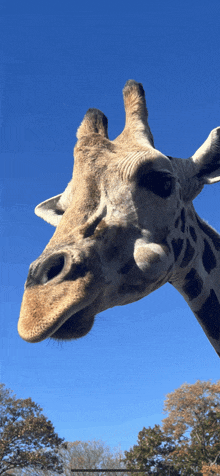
(125, 225)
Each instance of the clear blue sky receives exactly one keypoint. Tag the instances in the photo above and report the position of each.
(57, 60)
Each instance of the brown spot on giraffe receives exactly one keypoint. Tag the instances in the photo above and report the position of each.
(188, 255)
(176, 224)
(183, 220)
(207, 315)
(193, 284)
(193, 233)
(208, 258)
(125, 225)
(210, 232)
(177, 246)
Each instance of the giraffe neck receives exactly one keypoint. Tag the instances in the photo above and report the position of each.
(197, 271)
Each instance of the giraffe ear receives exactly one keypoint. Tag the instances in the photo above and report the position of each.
(52, 210)
(207, 158)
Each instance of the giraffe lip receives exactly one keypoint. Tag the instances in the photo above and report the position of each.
(76, 326)
(79, 323)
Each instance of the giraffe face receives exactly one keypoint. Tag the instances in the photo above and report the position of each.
(107, 251)
(115, 227)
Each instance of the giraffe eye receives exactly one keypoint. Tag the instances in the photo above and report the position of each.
(160, 183)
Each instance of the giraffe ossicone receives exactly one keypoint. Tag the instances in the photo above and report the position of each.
(125, 225)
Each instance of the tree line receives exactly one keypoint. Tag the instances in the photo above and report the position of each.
(187, 443)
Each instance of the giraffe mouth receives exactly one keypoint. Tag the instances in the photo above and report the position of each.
(78, 325)
(65, 311)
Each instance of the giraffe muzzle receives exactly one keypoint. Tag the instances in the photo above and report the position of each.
(60, 287)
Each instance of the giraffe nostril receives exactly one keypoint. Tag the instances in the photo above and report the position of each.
(60, 265)
(46, 271)
(55, 269)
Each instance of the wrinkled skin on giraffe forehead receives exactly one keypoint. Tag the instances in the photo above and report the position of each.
(117, 224)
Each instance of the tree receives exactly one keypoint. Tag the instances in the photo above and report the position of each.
(27, 437)
(188, 442)
(84, 455)
(194, 422)
(152, 453)
(90, 455)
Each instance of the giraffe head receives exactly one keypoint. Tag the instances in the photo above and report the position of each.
(116, 235)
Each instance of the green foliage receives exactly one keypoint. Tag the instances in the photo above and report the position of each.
(188, 442)
(27, 438)
(152, 453)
